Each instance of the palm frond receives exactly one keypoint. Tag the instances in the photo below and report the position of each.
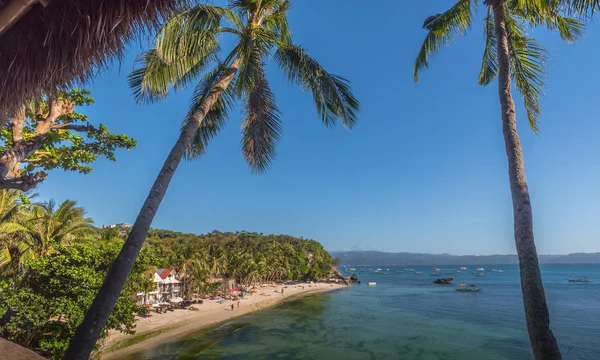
(580, 7)
(255, 45)
(215, 118)
(489, 64)
(154, 78)
(192, 31)
(331, 93)
(277, 21)
(261, 127)
(528, 59)
(442, 29)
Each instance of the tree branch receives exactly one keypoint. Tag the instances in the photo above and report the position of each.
(24, 183)
(80, 128)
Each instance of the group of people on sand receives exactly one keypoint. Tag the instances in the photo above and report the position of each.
(238, 305)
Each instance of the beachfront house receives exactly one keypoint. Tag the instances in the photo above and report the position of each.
(167, 287)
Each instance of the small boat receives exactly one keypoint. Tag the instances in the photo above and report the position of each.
(435, 270)
(460, 272)
(581, 279)
(387, 269)
(399, 272)
(479, 274)
(444, 281)
(413, 270)
(371, 283)
(352, 269)
(470, 288)
(498, 270)
(462, 268)
(463, 284)
(418, 273)
(480, 269)
(378, 269)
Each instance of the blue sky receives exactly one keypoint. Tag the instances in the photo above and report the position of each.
(423, 171)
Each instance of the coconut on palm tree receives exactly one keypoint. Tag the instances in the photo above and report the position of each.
(187, 48)
(511, 55)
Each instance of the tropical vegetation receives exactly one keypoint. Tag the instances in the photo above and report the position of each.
(53, 262)
(512, 56)
(50, 134)
(188, 48)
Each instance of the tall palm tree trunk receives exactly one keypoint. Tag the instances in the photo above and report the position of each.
(543, 342)
(84, 340)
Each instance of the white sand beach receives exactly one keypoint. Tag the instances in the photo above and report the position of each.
(172, 325)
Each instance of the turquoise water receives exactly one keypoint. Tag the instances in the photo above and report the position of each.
(406, 316)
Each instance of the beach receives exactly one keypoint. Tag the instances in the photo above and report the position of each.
(166, 327)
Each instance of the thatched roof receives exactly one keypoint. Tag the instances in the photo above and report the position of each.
(68, 41)
(13, 351)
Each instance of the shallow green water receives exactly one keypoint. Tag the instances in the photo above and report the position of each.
(403, 317)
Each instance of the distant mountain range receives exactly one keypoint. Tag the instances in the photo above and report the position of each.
(391, 259)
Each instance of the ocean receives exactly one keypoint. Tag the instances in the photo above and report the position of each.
(406, 316)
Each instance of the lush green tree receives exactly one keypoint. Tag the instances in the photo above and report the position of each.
(55, 291)
(50, 134)
(511, 55)
(14, 250)
(186, 48)
(34, 230)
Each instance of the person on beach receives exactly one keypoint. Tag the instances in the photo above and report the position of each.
(238, 304)
(231, 307)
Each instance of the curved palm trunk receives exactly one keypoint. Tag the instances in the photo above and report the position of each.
(84, 340)
(543, 342)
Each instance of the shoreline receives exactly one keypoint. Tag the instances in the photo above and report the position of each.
(163, 328)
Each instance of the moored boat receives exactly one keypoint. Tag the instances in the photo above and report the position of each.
(444, 281)
(418, 273)
(480, 269)
(462, 268)
(479, 274)
(371, 283)
(470, 288)
(581, 279)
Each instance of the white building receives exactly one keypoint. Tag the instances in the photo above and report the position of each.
(167, 287)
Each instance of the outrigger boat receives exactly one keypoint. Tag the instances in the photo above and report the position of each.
(581, 279)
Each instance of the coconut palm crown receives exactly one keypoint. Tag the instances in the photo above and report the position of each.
(187, 48)
(528, 57)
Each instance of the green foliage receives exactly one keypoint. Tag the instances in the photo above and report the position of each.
(188, 48)
(527, 57)
(72, 143)
(247, 257)
(56, 290)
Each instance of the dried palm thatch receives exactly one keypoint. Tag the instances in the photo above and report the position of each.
(68, 41)
(15, 352)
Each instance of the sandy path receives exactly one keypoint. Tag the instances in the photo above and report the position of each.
(182, 322)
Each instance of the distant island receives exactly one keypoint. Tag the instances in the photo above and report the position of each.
(405, 258)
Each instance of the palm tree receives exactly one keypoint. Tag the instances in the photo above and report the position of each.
(511, 55)
(47, 226)
(185, 48)
(14, 250)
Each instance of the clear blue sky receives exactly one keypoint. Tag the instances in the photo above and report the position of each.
(424, 171)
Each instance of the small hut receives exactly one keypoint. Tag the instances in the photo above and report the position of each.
(48, 44)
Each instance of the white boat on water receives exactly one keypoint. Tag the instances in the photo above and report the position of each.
(435, 270)
(497, 270)
(371, 283)
(419, 272)
(582, 279)
(462, 268)
(481, 269)
(352, 269)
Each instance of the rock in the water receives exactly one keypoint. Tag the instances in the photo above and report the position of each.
(354, 278)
